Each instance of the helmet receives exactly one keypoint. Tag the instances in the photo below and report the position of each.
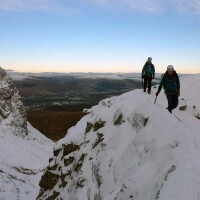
(170, 68)
(149, 58)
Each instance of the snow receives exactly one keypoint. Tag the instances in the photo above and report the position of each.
(149, 154)
(22, 162)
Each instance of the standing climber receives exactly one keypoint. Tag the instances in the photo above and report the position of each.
(148, 73)
(171, 85)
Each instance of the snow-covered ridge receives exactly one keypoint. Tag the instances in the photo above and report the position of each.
(24, 151)
(127, 147)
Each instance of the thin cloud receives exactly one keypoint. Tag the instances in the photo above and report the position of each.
(146, 5)
(77, 6)
(188, 6)
(151, 6)
(37, 5)
(135, 5)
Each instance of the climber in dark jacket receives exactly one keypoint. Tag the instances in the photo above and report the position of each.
(171, 85)
(148, 73)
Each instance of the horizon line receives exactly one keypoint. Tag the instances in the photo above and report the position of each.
(90, 72)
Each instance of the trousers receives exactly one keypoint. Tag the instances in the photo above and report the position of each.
(147, 81)
(172, 101)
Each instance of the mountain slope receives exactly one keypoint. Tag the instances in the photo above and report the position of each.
(127, 147)
(24, 151)
(22, 162)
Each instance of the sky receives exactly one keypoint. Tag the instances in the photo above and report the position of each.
(99, 35)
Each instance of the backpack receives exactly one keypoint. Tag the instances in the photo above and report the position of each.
(148, 69)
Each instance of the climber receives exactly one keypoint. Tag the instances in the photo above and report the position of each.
(171, 85)
(148, 73)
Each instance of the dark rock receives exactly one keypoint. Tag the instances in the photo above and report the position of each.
(50, 159)
(52, 168)
(80, 163)
(86, 111)
(139, 121)
(198, 117)
(40, 194)
(98, 177)
(54, 196)
(62, 177)
(56, 152)
(196, 113)
(68, 161)
(86, 142)
(119, 120)
(98, 125)
(69, 172)
(80, 182)
(183, 107)
(69, 148)
(98, 140)
(48, 180)
(145, 121)
(98, 196)
(26, 171)
(88, 127)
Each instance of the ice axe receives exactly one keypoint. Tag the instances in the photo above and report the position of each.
(142, 82)
(155, 99)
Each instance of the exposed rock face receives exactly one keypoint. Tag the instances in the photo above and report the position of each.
(12, 111)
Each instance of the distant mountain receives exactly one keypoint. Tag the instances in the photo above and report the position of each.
(127, 147)
(24, 151)
(90, 75)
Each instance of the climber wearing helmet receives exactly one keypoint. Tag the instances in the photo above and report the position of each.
(171, 85)
(148, 73)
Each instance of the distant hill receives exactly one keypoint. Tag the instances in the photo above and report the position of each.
(46, 89)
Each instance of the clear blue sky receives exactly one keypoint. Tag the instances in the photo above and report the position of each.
(99, 35)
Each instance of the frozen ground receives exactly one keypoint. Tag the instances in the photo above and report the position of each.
(22, 162)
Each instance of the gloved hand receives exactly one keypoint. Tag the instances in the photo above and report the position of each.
(157, 93)
(178, 94)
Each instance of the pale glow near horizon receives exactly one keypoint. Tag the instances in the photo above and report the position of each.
(100, 69)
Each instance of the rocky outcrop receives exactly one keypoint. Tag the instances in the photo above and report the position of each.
(12, 111)
(78, 162)
(66, 166)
